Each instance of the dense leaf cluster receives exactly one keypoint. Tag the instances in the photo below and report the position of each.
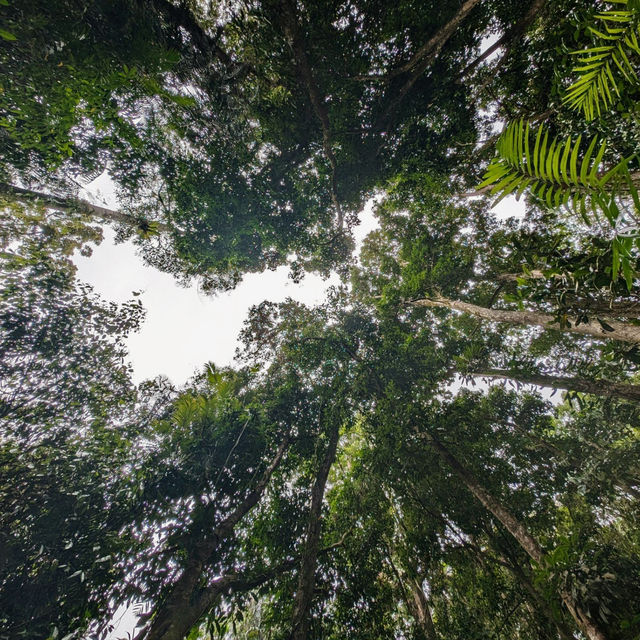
(346, 479)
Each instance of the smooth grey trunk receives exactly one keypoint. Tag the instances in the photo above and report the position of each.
(518, 530)
(75, 204)
(307, 575)
(419, 606)
(619, 330)
(187, 602)
(603, 388)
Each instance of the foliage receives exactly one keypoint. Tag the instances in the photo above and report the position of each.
(557, 172)
(604, 67)
(343, 473)
(65, 441)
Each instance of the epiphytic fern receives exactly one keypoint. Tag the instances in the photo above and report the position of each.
(558, 173)
(604, 68)
(555, 170)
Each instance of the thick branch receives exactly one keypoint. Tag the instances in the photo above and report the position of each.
(306, 578)
(76, 204)
(424, 57)
(542, 605)
(419, 606)
(518, 530)
(619, 330)
(511, 523)
(604, 388)
(509, 36)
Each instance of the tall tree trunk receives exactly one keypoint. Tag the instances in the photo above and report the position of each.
(619, 330)
(419, 606)
(604, 388)
(519, 531)
(186, 603)
(76, 204)
(307, 575)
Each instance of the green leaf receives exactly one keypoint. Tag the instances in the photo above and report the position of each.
(604, 325)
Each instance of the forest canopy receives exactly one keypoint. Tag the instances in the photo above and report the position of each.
(446, 447)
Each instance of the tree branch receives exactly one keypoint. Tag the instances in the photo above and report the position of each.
(423, 58)
(619, 330)
(306, 577)
(604, 388)
(509, 36)
(78, 204)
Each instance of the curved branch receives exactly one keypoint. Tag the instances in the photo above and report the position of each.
(424, 57)
(618, 330)
(77, 204)
(604, 388)
(515, 32)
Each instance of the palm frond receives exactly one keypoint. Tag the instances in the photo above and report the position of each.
(553, 169)
(557, 172)
(604, 69)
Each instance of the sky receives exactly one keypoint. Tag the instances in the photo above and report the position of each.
(185, 328)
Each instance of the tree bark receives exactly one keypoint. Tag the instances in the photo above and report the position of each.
(186, 603)
(419, 606)
(306, 577)
(428, 51)
(619, 330)
(236, 582)
(603, 388)
(515, 32)
(518, 530)
(76, 204)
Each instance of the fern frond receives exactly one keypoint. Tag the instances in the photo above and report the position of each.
(605, 68)
(554, 170)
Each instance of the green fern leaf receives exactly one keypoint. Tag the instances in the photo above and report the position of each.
(603, 69)
(555, 172)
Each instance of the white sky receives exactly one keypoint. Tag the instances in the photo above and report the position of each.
(185, 328)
